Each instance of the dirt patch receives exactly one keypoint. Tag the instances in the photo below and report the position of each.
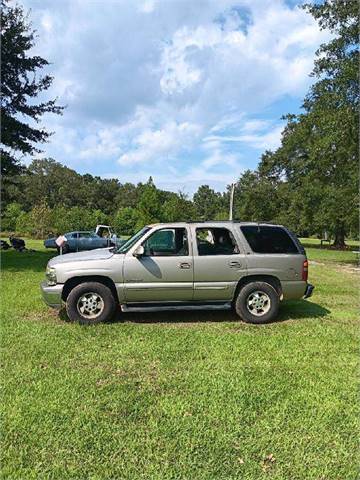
(313, 262)
(353, 269)
(51, 316)
(340, 267)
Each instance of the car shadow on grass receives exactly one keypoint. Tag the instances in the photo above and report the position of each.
(300, 309)
(291, 310)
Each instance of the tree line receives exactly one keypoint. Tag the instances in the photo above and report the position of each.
(48, 197)
(310, 183)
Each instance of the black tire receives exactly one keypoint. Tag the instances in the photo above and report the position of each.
(266, 308)
(91, 291)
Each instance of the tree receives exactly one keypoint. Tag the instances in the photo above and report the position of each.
(332, 107)
(149, 206)
(96, 217)
(255, 198)
(40, 220)
(127, 196)
(318, 157)
(125, 221)
(21, 84)
(10, 216)
(100, 193)
(23, 224)
(84, 218)
(60, 220)
(48, 180)
(207, 203)
(178, 208)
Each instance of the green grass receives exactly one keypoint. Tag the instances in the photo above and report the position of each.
(180, 396)
(315, 242)
(330, 256)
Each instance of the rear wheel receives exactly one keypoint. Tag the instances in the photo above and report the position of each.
(257, 302)
(90, 303)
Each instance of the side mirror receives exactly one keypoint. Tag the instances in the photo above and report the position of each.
(139, 252)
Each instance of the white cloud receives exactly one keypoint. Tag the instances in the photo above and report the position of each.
(219, 158)
(160, 144)
(47, 21)
(179, 181)
(147, 6)
(158, 83)
(269, 140)
(259, 134)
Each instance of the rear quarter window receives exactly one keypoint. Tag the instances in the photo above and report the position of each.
(263, 239)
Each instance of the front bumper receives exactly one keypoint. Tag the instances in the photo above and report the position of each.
(309, 290)
(52, 294)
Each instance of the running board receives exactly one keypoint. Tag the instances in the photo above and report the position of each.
(169, 307)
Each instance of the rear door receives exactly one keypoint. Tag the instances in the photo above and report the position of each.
(165, 272)
(219, 263)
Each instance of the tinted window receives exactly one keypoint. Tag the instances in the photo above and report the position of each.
(264, 239)
(167, 242)
(215, 241)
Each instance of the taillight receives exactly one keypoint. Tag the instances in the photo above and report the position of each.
(305, 268)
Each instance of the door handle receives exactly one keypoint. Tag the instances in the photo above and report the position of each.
(234, 264)
(185, 265)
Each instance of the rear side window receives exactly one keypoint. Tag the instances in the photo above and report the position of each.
(263, 239)
(215, 241)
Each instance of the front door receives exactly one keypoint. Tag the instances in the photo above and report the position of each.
(165, 272)
(219, 264)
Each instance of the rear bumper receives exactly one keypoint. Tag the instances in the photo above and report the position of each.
(293, 290)
(51, 294)
(309, 290)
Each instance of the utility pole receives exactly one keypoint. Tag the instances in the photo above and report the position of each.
(232, 191)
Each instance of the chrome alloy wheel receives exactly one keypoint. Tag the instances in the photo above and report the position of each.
(258, 303)
(90, 305)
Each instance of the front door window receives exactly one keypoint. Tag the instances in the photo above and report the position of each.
(167, 242)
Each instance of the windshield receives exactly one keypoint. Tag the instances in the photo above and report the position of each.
(132, 240)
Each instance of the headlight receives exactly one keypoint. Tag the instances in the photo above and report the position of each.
(51, 275)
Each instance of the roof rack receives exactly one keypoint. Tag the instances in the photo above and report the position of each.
(213, 221)
(259, 222)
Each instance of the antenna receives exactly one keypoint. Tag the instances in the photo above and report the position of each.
(232, 191)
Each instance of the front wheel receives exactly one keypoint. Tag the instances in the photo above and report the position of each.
(90, 303)
(257, 302)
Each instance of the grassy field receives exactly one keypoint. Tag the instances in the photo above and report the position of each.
(181, 396)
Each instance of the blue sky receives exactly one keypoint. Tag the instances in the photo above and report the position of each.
(189, 92)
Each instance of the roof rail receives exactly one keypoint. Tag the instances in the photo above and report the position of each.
(213, 221)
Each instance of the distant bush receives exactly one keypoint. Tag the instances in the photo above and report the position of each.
(10, 217)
